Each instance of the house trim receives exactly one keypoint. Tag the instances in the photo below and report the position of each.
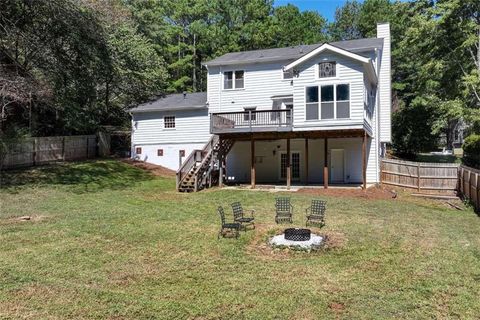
(329, 47)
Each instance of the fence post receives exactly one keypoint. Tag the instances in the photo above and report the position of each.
(418, 177)
(477, 203)
(63, 148)
(34, 159)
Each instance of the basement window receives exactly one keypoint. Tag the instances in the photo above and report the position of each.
(160, 152)
(138, 150)
(169, 122)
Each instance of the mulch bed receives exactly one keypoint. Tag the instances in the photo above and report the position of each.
(152, 168)
(373, 193)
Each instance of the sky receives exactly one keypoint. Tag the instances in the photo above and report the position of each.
(325, 7)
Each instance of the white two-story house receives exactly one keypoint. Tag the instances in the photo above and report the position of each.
(309, 114)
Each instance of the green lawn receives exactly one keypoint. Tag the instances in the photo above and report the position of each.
(108, 241)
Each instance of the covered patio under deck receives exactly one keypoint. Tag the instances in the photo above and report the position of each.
(313, 168)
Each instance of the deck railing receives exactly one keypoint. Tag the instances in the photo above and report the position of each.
(251, 121)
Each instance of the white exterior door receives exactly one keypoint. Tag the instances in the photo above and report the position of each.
(337, 165)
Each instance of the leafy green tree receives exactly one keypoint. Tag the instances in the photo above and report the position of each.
(346, 23)
(293, 27)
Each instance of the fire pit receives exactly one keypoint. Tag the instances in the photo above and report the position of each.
(297, 238)
(297, 234)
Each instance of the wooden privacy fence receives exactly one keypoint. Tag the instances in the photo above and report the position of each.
(469, 185)
(423, 176)
(42, 150)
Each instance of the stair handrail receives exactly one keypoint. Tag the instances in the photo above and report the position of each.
(190, 162)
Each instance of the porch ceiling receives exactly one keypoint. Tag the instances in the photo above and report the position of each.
(350, 133)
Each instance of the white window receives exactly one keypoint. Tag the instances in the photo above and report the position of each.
(169, 122)
(312, 103)
(327, 69)
(343, 101)
(327, 102)
(234, 79)
(288, 74)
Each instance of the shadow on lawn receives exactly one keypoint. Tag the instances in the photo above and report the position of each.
(88, 176)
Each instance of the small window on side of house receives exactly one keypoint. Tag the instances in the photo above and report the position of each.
(182, 153)
(327, 69)
(169, 122)
(138, 150)
(288, 74)
(160, 152)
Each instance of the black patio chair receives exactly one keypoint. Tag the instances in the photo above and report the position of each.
(283, 210)
(316, 213)
(227, 226)
(239, 217)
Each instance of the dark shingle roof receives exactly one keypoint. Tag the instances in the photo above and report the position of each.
(197, 100)
(291, 53)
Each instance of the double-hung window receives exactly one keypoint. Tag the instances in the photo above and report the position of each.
(327, 102)
(343, 101)
(234, 79)
(312, 103)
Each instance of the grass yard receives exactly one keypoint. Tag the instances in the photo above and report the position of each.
(110, 241)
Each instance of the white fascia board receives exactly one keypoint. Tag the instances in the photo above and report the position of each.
(371, 73)
(328, 47)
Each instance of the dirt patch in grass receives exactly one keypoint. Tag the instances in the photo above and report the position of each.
(373, 193)
(152, 168)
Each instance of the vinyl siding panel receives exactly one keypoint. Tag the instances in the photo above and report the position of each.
(191, 126)
(261, 82)
(348, 72)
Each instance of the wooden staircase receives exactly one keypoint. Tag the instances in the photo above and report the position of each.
(201, 168)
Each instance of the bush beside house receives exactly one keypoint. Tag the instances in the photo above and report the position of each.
(471, 151)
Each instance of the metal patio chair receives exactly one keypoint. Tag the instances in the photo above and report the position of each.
(316, 213)
(283, 210)
(233, 226)
(239, 216)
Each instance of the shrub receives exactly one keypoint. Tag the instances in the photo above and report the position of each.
(471, 151)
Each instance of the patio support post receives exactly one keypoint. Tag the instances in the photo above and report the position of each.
(252, 162)
(325, 166)
(289, 169)
(306, 160)
(220, 165)
(364, 161)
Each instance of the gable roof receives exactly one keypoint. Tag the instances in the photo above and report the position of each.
(177, 101)
(328, 47)
(291, 53)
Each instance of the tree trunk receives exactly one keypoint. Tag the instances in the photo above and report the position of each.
(194, 75)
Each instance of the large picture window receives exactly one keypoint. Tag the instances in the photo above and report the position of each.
(327, 102)
(234, 79)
